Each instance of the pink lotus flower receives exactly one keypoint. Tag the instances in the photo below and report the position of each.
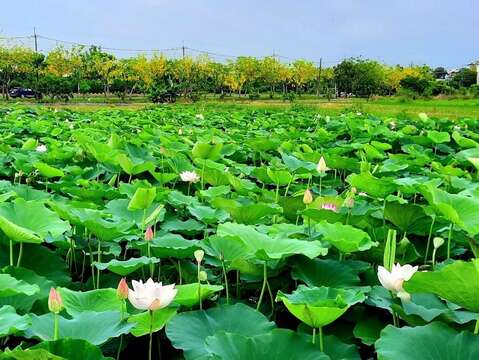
(122, 290)
(330, 207)
(55, 302)
(149, 234)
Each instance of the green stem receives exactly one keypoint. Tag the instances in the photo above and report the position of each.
(152, 266)
(429, 239)
(320, 184)
(476, 328)
(11, 252)
(265, 279)
(20, 253)
(119, 348)
(151, 335)
(199, 288)
(321, 344)
(314, 335)
(449, 242)
(226, 283)
(237, 284)
(55, 327)
(179, 271)
(433, 258)
(99, 261)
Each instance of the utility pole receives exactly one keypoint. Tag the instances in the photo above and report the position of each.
(319, 76)
(36, 39)
(183, 50)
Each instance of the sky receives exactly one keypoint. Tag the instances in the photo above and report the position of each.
(433, 32)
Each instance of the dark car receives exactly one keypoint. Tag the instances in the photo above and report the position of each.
(18, 92)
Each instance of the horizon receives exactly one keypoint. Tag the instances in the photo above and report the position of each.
(404, 34)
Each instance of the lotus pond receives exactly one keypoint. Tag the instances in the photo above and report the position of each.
(175, 233)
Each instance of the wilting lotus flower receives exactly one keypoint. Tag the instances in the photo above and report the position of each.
(55, 302)
(307, 197)
(199, 254)
(151, 295)
(330, 207)
(122, 290)
(393, 281)
(189, 176)
(41, 148)
(149, 234)
(321, 167)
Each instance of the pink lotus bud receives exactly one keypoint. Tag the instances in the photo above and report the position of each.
(122, 289)
(55, 302)
(308, 197)
(149, 234)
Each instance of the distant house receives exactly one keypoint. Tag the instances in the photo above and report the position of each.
(451, 73)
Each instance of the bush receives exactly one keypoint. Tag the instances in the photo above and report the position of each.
(163, 92)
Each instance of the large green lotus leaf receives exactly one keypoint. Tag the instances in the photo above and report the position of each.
(207, 214)
(72, 349)
(368, 329)
(134, 166)
(48, 170)
(142, 198)
(94, 327)
(319, 306)
(142, 321)
(216, 191)
(207, 151)
(188, 293)
(345, 238)
(99, 300)
(9, 286)
(30, 221)
(407, 217)
(125, 267)
(246, 214)
(21, 302)
(325, 272)
(333, 346)
(457, 282)
(460, 209)
(265, 247)
(11, 322)
(435, 341)
(377, 187)
(296, 165)
(279, 344)
(438, 137)
(190, 226)
(45, 263)
(119, 209)
(105, 229)
(428, 307)
(279, 177)
(188, 331)
(177, 199)
(28, 354)
(230, 248)
(170, 245)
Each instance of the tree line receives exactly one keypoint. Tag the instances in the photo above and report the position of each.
(78, 70)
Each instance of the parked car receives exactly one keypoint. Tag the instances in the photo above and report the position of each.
(18, 92)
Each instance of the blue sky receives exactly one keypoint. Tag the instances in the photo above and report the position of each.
(435, 32)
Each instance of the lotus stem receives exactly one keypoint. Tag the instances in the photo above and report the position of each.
(226, 283)
(429, 239)
(189, 187)
(55, 326)
(270, 297)
(449, 242)
(99, 261)
(314, 335)
(11, 252)
(237, 284)
(265, 279)
(320, 184)
(152, 266)
(321, 344)
(476, 328)
(179, 272)
(150, 347)
(20, 253)
(199, 286)
(434, 258)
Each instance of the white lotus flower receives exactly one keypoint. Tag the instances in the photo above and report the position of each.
(200, 116)
(321, 167)
(41, 148)
(151, 295)
(393, 281)
(189, 176)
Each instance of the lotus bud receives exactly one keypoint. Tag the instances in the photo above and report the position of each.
(349, 202)
(199, 254)
(321, 167)
(55, 302)
(308, 197)
(354, 190)
(203, 276)
(149, 235)
(180, 131)
(122, 290)
(437, 242)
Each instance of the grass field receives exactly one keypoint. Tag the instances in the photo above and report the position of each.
(393, 107)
